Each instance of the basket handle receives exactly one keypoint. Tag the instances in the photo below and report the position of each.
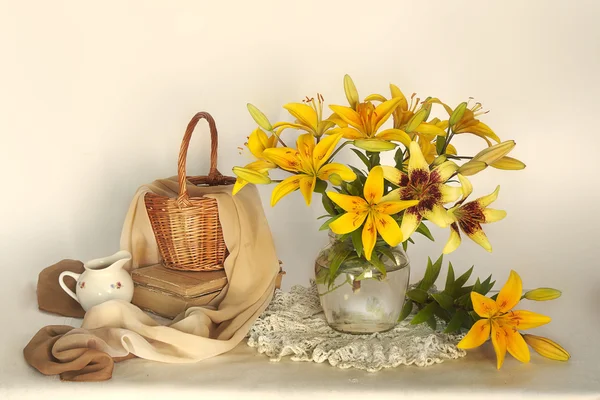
(214, 176)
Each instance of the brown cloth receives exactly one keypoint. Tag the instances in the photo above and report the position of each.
(51, 297)
(82, 364)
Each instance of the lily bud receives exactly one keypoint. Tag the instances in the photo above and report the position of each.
(259, 117)
(458, 113)
(543, 294)
(495, 152)
(439, 160)
(251, 176)
(374, 145)
(416, 120)
(471, 168)
(351, 92)
(546, 347)
(508, 163)
(336, 179)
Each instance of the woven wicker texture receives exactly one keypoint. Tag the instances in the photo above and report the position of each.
(187, 229)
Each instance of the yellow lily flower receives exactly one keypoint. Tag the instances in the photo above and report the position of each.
(309, 117)
(308, 163)
(365, 121)
(470, 216)
(257, 171)
(546, 347)
(425, 185)
(371, 209)
(405, 115)
(501, 323)
(469, 124)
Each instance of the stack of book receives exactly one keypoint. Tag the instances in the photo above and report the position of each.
(168, 293)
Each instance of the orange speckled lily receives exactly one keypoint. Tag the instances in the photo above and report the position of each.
(501, 323)
(308, 162)
(425, 185)
(375, 213)
(364, 122)
(470, 124)
(257, 171)
(470, 216)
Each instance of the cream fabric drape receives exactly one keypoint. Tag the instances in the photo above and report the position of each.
(119, 328)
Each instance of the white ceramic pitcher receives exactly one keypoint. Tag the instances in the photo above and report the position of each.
(103, 279)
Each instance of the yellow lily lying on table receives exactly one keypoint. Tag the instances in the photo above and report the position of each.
(503, 324)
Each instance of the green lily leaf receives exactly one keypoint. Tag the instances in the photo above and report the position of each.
(456, 321)
(406, 310)
(357, 241)
(328, 205)
(449, 279)
(431, 274)
(424, 230)
(424, 314)
(362, 157)
(325, 226)
(445, 301)
(418, 295)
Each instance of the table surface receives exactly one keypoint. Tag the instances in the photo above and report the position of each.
(243, 373)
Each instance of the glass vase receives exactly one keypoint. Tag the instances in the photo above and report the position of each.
(356, 296)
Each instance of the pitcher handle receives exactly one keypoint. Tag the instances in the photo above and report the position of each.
(64, 287)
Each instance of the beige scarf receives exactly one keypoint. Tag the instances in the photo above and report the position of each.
(119, 328)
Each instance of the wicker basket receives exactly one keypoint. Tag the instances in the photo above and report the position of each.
(187, 229)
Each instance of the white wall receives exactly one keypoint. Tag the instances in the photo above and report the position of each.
(94, 98)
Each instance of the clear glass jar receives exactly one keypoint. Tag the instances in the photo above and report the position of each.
(359, 298)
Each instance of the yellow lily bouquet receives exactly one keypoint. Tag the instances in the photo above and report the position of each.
(375, 208)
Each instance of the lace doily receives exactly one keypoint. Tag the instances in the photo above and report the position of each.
(294, 325)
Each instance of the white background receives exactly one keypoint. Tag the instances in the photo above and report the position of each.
(94, 99)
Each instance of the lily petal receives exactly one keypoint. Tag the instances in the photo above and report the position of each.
(284, 157)
(305, 144)
(438, 215)
(335, 168)
(396, 92)
(508, 163)
(251, 175)
(258, 142)
(523, 319)
(287, 186)
(347, 133)
(430, 131)
(348, 222)
(489, 199)
(443, 172)
(511, 292)
(499, 342)
(516, 346)
(394, 207)
(492, 215)
(483, 306)
(324, 149)
(383, 111)
(450, 193)
(239, 184)
(369, 237)
(453, 241)
(476, 234)
(418, 169)
(348, 203)
(388, 229)
(397, 135)
(373, 190)
(394, 175)
(410, 221)
(477, 335)
(303, 113)
(307, 187)
(465, 185)
(349, 116)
